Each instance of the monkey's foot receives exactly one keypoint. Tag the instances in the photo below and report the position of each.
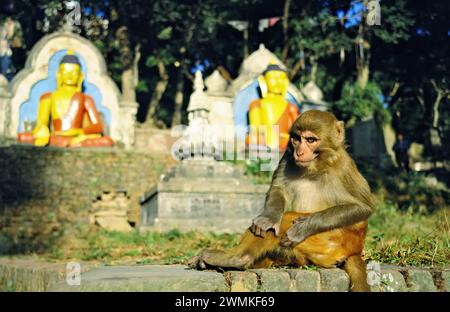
(214, 259)
(197, 263)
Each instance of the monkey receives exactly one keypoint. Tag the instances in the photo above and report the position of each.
(316, 209)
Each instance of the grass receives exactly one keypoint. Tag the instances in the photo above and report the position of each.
(394, 237)
(146, 248)
(408, 238)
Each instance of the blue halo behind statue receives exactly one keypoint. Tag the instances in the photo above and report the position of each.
(241, 104)
(28, 110)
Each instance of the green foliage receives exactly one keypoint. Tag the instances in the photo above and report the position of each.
(397, 21)
(142, 86)
(151, 61)
(165, 34)
(357, 103)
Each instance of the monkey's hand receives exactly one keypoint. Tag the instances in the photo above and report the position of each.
(297, 233)
(263, 223)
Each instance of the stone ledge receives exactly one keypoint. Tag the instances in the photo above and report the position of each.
(146, 278)
(31, 275)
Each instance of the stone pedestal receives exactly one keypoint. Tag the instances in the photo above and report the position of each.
(202, 195)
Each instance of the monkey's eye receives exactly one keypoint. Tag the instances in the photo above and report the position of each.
(311, 139)
(295, 140)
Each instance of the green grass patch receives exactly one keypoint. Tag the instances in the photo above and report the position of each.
(143, 248)
(394, 237)
(409, 238)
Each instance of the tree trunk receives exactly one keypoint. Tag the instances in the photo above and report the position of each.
(130, 62)
(363, 74)
(285, 51)
(300, 64)
(362, 52)
(176, 117)
(314, 66)
(440, 95)
(160, 88)
(435, 133)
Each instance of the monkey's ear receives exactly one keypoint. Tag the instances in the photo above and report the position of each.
(340, 132)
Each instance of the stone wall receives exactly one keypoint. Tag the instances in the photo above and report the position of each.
(40, 188)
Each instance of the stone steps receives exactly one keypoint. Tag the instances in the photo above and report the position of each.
(30, 275)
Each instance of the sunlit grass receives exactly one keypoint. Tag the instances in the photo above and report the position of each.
(407, 238)
(394, 237)
(156, 248)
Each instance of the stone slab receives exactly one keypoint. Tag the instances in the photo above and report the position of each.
(446, 280)
(390, 280)
(334, 280)
(176, 278)
(273, 280)
(242, 281)
(420, 281)
(307, 281)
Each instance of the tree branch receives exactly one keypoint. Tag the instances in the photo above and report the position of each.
(285, 52)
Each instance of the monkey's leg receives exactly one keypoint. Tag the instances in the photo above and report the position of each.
(296, 257)
(341, 246)
(263, 263)
(356, 269)
(250, 251)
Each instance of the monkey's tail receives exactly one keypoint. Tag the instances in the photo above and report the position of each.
(356, 269)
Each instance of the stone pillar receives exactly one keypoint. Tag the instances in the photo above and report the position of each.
(5, 99)
(128, 111)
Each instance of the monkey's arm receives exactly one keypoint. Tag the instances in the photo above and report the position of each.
(274, 205)
(331, 218)
(272, 214)
(337, 216)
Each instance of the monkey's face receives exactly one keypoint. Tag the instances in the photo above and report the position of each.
(317, 139)
(305, 144)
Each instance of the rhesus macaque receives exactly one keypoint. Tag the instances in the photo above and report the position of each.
(328, 203)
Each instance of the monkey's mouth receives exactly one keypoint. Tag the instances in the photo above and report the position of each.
(303, 162)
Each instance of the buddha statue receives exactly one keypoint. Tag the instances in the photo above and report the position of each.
(75, 120)
(272, 109)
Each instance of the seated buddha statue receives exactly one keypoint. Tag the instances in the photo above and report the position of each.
(75, 120)
(273, 109)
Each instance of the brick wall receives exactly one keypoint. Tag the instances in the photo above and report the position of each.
(42, 187)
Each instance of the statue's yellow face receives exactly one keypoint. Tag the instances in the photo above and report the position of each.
(70, 74)
(277, 82)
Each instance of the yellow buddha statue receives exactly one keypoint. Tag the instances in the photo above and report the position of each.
(273, 109)
(75, 121)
